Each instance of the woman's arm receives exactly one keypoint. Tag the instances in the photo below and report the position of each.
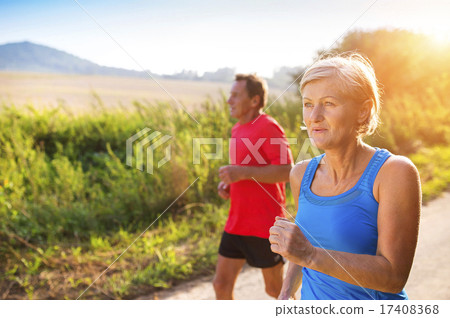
(292, 282)
(399, 196)
(294, 273)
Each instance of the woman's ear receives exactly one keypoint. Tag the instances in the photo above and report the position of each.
(365, 111)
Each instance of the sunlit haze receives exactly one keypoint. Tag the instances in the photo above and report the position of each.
(169, 36)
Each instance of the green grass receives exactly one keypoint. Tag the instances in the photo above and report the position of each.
(434, 167)
(69, 206)
(177, 248)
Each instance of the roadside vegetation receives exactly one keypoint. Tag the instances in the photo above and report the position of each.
(69, 205)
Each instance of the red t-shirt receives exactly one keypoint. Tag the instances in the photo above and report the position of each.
(253, 210)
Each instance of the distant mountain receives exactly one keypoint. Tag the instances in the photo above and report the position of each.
(31, 57)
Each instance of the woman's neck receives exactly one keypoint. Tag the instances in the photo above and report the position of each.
(344, 162)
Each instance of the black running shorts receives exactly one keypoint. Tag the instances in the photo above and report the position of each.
(254, 249)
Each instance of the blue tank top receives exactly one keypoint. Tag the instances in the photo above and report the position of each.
(346, 222)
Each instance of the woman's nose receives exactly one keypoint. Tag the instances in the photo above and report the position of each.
(317, 113)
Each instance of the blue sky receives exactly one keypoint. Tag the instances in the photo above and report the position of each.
(168, 36)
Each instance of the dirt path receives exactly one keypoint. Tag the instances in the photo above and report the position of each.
(430, 275)
(429, 278)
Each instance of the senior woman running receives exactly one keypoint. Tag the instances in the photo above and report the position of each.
(356, 228)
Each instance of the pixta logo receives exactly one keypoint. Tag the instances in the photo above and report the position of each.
(149, 143)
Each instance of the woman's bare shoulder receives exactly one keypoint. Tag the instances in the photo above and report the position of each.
(398, 170)
(298, 171)
(399, 164)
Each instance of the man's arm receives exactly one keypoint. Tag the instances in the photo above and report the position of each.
(224, 190)
(276, 153)
(265, 174)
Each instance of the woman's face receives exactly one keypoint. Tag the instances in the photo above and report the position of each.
(330, 116)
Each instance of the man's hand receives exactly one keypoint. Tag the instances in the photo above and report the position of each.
(287, 239)
(231, 173)
(224, 190)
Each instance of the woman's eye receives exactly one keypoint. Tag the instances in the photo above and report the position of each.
(329, 104)
(307, 105)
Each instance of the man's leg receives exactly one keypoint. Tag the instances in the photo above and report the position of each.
(273, 279)
(227, 271)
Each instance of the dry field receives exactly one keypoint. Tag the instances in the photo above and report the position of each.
(77, 91)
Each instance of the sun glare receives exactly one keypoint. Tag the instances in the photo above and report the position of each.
(440, 38)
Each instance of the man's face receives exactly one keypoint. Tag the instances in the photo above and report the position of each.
(239, 101)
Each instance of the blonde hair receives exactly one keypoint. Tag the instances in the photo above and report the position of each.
(357, 79)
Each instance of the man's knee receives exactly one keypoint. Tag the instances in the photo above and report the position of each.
(273, 290)
(273, 279)
(221, 285)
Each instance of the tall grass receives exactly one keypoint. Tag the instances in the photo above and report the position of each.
(65, 177)
(68, 200)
